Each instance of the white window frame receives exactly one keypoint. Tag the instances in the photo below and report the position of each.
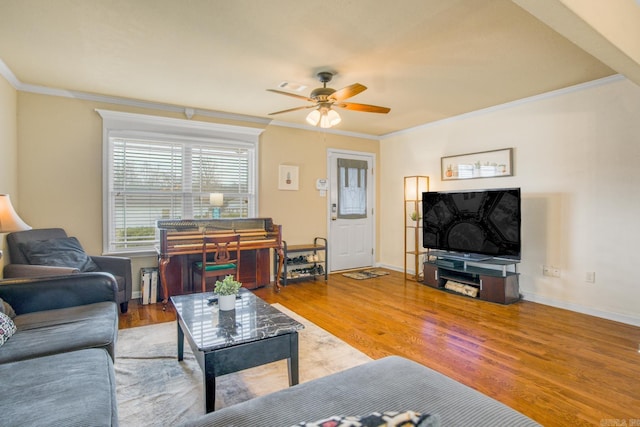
(120, 124)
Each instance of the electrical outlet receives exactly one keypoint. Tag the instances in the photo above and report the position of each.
(551, 271)
(590, 277)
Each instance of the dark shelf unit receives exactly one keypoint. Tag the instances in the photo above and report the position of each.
(300, 267)
(495, 279)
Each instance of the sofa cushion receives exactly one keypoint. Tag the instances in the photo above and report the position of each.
(389, 384)
(7, 328)
(70, 389)
(60, 252)
(43, 333)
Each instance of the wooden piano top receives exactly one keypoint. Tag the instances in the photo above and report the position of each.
(182, 237)
(231, 224)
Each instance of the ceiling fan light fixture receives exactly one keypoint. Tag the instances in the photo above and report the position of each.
(329, 118)
(323, 117)
(323, 98)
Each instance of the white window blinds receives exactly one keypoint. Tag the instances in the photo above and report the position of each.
(171, 176)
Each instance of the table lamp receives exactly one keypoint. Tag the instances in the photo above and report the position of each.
(217, 201)
(9, 219)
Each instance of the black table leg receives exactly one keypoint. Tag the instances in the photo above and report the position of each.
(292, 361)
(180, 342)
(209, 376)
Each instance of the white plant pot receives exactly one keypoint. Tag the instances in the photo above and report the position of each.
(227, 302)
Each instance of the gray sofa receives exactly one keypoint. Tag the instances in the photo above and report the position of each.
(389, 384)
(49, 251)
(57, 368)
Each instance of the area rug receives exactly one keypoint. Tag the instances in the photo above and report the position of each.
(365, 274)
(154, 389)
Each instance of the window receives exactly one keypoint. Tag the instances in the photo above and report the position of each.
(352, 188)
(159, 168)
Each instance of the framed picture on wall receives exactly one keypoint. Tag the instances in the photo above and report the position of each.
(288, 177)
(485, 164)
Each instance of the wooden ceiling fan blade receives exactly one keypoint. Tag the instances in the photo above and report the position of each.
(347, 92)
(291, 94)
(362, 107)
(292, 109)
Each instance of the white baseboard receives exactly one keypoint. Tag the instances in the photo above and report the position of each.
(616, 317)
(392, 267)
(527, 296)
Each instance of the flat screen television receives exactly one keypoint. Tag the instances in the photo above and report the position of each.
(477, 224)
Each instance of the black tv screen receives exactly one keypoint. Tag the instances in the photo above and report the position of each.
(483, 222)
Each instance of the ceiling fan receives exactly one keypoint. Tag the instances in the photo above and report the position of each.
(324, 98)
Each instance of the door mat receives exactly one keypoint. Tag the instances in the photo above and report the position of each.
(365, 274)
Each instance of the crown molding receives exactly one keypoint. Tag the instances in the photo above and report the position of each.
(552, 94)
(9, 76)
(6, 72)
(189, 111)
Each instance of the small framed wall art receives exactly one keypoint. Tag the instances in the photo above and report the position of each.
(288, 177)
(485, 164)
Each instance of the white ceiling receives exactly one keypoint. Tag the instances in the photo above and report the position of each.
(425, 59)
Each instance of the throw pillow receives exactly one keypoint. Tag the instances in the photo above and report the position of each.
(378, 419)
(61, 252)
(7, 328)
(6, 309)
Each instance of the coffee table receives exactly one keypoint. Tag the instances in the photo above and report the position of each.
(253, 334)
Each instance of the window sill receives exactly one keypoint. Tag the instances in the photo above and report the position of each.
(133, 254)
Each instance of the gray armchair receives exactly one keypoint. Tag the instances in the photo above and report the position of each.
(50, 252)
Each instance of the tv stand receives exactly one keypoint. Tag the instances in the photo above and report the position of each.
(466, 257)
(493, 279)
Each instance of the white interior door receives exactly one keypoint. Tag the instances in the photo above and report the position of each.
(351, 213)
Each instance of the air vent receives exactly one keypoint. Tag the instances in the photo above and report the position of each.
(295, 87)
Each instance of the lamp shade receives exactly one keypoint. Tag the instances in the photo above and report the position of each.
(329, 118)
(313, 118)
(324, 117)
(9, 219)
(414, 186)
(216, 199)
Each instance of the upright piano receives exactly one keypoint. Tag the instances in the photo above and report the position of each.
(181, 246)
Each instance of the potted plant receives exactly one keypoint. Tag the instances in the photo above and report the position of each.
(227, 289)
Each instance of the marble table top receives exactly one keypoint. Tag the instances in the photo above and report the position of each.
(211, 329)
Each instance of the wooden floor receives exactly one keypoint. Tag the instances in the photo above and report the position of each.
(558, 367)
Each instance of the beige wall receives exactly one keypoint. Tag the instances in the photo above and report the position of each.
(60, 170)
(577, 161)
(303, 212)
(8, 147)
